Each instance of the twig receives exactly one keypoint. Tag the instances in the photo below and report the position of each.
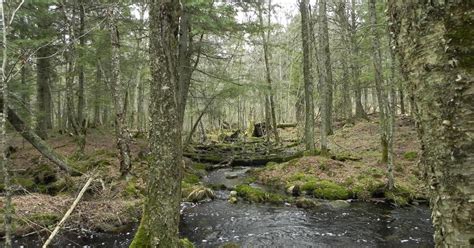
(69, 211)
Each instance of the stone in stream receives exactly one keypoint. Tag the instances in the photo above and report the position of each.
(233, 199)
(232, 174)
(303, 202)
(339, 204)
(233, 193)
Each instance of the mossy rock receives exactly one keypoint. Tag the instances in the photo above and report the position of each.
(252, 194)
(366, 187)
(331, 191)
(400, 195)
(303, 202)
(411, 155)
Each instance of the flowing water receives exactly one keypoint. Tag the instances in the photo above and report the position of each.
(212, 224)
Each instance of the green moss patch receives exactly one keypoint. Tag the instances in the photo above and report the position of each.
(331, 191)
(252, 194)
(411, 155)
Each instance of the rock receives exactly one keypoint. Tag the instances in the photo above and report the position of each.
(339, 204)
(232, 175)
(233, 200)
(293, 190)
(306, 203)
(233, 193)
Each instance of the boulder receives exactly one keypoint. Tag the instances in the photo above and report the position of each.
(339, 204)
(306, 203)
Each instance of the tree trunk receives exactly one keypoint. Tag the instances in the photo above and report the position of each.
(8, 207)
(325, 68)
(117, 88)
(43, 96)
(381, 96)
(325, 77)
(81, 105)
(270, 104)
(28, 134)
(355, 68)
(435, 47)
(160, 220)
(345, 37)
(308, 80)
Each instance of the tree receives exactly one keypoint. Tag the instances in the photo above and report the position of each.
(269, 98)
(44, 69)
(379, 80)
(434, 44)
(308, 81)
(117, 89)
(8, 207)
(325, 77)
(345, 60)
(355, 68)
(160, 219)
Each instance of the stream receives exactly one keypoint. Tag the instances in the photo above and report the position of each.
(217, 222)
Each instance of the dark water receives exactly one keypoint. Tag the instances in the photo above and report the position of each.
(212, 224)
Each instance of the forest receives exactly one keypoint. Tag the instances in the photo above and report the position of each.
(237, 123)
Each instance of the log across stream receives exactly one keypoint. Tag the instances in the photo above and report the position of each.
(242, 153)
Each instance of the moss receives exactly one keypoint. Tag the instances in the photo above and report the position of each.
(61, 185)
(43, 174)
(249, 193)
(141, 238)
(25, 182)
(315, 152)
(45, 219)
(217, 186)
(271, 165)
(191, 178)
(411, 155)
(331, 191)
(257, 195)
(131, 189)
(297, 177)
(365, 186)
(199, 166)
(309, 186)
(185, 243)
(400, 195)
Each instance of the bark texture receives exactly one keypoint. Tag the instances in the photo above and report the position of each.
(435, 46)
(379, 80)
(160, 220)
(325, 69)
(308, 81)
(117, 88)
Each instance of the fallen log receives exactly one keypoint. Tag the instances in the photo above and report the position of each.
(286, 125)
(243, 159)
(37, 142)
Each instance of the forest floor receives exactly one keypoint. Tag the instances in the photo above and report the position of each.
(43, 194)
